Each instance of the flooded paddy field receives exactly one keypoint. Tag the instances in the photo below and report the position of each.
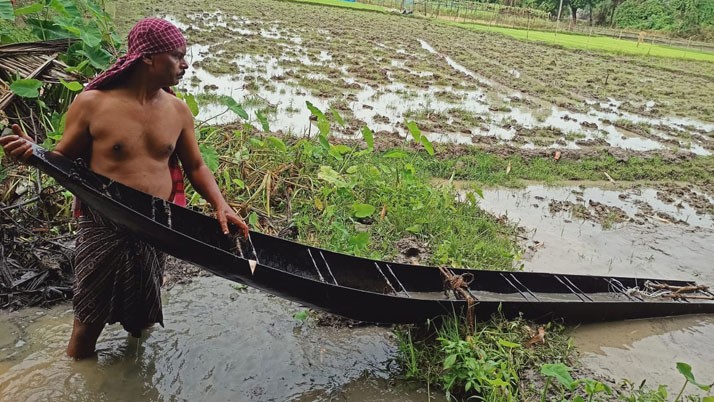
(459, 86)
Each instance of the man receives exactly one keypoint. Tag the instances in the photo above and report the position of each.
(130, 128)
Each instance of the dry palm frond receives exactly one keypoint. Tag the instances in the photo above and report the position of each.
(36, 60)
(24, 58)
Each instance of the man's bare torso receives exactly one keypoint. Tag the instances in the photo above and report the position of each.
(131, 142)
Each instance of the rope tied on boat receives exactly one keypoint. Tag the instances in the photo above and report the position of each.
(459, 286)
(693, 291)
(655, 290)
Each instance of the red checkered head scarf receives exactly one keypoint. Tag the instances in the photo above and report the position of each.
(148, 36)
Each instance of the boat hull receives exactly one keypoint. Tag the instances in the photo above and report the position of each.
(360, 288)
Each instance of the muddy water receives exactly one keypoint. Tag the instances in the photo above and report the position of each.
(561, 242)
(219, 344)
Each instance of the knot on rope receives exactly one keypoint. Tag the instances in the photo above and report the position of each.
(459, 286)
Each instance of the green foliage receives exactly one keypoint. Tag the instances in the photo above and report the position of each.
(210, 156)
(350, 199)
(6, 11)
(485, 365)
(647, 14)
(263, 121)
(686, 17)
(491, 169)
(686, 371)
(301, 315)
(234, 107)
(27, 88)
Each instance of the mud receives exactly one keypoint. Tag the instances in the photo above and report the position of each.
(412, 251)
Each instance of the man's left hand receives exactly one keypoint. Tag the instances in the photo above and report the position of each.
(226, 215)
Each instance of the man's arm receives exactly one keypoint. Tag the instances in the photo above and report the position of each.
(75, 141)
(201, 176)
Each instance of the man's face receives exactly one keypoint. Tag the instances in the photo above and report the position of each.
(170, 66)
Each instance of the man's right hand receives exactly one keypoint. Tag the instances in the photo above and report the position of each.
(18, 145)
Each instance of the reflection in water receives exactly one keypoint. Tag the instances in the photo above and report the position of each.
(219, 344)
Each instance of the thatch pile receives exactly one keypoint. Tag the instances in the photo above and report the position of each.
(35, 263)
(36, 60)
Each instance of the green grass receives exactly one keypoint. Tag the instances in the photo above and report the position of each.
(491, 169)
(607, 44)
(343, 4)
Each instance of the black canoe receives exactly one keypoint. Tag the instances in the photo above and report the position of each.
(360, 288)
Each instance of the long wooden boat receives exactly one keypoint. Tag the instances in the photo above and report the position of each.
(365, 289)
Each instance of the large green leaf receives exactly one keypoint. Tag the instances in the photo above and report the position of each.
(560, 372)
(323, 125)
(210, 156)
(338, 118)
(276, 143)
(368, 137)
(314, 110)
(73, 86)
(6, 11)
(414, 130)
(31, 9)
(26, 88)
(263, 121)
(233, 106)
(45, 29)
(65, 8)
(92, 37)
(427, 145)
(71, 8)
(329, 175)
(686, 370)
(362, 210)
(98, 57)
(192, 103)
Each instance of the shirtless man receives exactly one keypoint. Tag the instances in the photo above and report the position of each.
(128, 124)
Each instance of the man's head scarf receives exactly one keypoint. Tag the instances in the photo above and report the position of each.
(148, 36)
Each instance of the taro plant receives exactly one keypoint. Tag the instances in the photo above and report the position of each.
(686, 371)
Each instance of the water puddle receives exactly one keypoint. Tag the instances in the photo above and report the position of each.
(558, 241)
(607, 232)
(219, 343)
(456, 66)
(649, 349)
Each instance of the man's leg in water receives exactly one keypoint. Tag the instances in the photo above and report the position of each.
(83, 342)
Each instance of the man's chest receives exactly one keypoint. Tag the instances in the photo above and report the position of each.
(136, 130)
